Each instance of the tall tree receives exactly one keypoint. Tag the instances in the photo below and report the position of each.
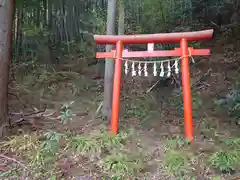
(121, 20)
(109, 63)
(6, 19)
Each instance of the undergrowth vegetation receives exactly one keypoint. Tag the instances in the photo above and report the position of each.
(180, 160)
(54, 64)
(141, 107)
(227, 158)
(41, 153)
(177, 102)
(231, 104)
(112, 156)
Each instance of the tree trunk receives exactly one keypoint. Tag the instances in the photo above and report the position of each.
(6, 17)
(121, 18)
(109, 63)
(19, 33)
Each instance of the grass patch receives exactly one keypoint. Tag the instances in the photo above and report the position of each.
(83, 84)
(21, 144)
(176, 101)
(177, 158)
(176, 143)
(122, 165)
(227, 159)
(176, 163)
(142, 107)
(107, 140)
(230, 104)
(38, 152)
(42, 153)
(84, 145)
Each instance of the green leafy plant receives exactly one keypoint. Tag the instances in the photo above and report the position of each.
(140, 108)
(231, 102)
(84, 145)
(177, 101)
(42, 160)
(232, 143)
(176, 143)
(138, 112)
(228, 158)
(21, 144)
(225, 161)
(66, 113)
(52, 142)
(9, 174)
(121, 164)
(216, 178)
(108, 140)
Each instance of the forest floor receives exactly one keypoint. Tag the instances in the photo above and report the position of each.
(57, 132)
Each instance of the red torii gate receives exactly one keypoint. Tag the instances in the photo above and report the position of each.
(184, 52)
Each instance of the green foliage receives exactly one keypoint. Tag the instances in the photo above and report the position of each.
(107, 140)
(176, 143)
(231, 102)
(21, 144)
(225, 161)
(177, 102)
(45, 155)
(176, 162)
(97, 142)
(47, 78)
(122, 165)
(163, 15)
(99, 16)
(216, 178)
(83, 84)
(84, 145)
(12, 173)
(30, 30)
(51, 144)
(140, 108)
(137, 111)
(232, 143)
(55, 37)
(66, 112)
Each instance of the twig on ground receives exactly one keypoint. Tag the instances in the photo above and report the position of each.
(149, 90)
(235, 176)
(19, 117)
(14, 160)
(19, 99)
(201, 79)
(56, 118)
(69, 73)
(99, 108)
(29, 114)
(50, 102)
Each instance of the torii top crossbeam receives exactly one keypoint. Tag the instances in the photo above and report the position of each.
(154, 38)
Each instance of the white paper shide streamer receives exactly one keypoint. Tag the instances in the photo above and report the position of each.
(161, 70)
(145, 70)
(139, 69)
(166, 67)
(176, 66)
(134, 73)
(169, 69)
(126, 67)
(155, 69)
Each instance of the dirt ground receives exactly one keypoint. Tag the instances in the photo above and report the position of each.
(151, 143)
